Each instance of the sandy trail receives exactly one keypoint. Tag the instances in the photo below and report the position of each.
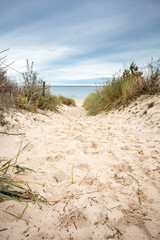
(115, 161)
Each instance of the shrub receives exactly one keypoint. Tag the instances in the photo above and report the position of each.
(2, 119)
(31, 85)
(34, 94)
(48, 102)
(8, 91)
(31, 95)
(22, 103)
(66, 101)
(8, 88)
(153, 79)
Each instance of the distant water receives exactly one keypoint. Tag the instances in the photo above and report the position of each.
(76, 92)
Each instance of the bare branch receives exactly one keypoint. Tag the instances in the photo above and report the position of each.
(7, 65)
(3, 58)
(11, 67)
(4, 50)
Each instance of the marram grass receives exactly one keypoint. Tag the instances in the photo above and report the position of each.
(122, 90)
(10, 189)
(66, 101)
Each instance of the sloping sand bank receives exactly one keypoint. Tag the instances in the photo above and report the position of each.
(100, 174)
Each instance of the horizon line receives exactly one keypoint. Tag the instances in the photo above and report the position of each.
(78, 84)
(85, 85)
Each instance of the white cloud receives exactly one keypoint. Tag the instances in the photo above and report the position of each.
(39, 56)
(82, 40)
(83, 71)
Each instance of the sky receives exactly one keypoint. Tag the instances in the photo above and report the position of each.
(79, 41)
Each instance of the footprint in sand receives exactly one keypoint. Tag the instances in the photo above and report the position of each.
(54, 158)
(61, 176)
(83, 166)
(134, 232)
(123, 167)
(90, 147)
(76, 223)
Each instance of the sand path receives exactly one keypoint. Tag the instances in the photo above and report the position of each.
(115, 163)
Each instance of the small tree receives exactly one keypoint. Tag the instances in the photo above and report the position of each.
(31, 84)
(132, 71)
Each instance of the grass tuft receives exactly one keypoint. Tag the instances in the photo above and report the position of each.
(10, 189)
(66, 101)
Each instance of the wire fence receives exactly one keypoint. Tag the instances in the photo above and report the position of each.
(7, 65)
(152, 63)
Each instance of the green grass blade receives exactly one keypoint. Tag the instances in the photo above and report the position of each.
(8, 197)
(12, 183)
(24, 168)
(14, 193)
(14, 156)
(15, 216)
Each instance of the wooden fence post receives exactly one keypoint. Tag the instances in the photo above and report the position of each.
(44, 84)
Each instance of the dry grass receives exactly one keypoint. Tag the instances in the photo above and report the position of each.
(138, 191)
(72, 173)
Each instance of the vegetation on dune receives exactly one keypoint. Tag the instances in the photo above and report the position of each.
(34, 94)
(11, 187)
(66, 101)
(2, 119)
(13, 96)
(8, 91)
(123, 89)
(31, 94)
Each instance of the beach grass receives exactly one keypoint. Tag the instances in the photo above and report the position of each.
(122, 90)
(11, 188)
(66, 101)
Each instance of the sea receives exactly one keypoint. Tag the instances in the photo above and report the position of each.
(76, 92)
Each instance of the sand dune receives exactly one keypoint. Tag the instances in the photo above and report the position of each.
(115, 163)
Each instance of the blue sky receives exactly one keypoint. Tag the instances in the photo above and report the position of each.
(79, 41)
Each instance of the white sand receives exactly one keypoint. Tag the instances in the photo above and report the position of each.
(114, 151)
(79, 102)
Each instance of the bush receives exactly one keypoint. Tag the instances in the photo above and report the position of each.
(31, 85)
(8, 91)
(153, 80)
(66, 101)
(34, 94)
(48, 102)
(2, 119)
(31, 95)
(122, 90)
